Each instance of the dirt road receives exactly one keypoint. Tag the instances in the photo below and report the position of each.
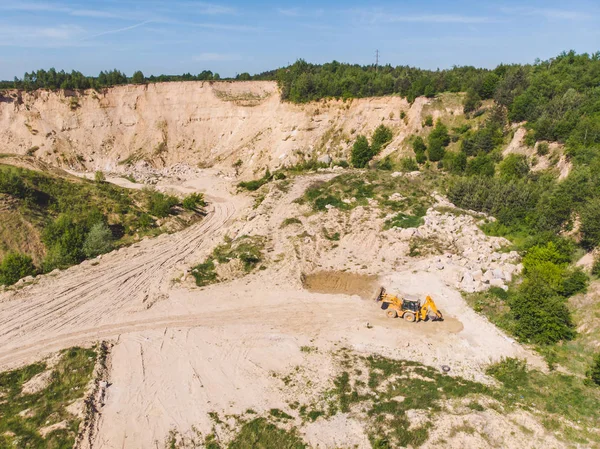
(91, 301)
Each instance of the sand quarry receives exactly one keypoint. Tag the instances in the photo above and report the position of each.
(180, 352)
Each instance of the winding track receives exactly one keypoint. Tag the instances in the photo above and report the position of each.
(88, 302)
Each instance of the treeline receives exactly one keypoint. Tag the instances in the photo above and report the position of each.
(302, 82)
(53, 79)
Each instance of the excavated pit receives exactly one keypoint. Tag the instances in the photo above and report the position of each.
(339, 282)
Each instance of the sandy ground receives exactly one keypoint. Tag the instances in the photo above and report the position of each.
(182, 352)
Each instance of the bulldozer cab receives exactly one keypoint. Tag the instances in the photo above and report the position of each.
(409, 304)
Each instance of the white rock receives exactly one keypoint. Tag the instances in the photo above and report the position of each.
(325, 159)
(497, 273)
(477, 275)
(496, 283)
(407, 233)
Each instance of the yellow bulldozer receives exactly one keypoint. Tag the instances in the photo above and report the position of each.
(409, 309)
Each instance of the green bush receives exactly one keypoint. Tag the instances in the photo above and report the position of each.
(419, 145)
(440, 133)
(15, 266)
(98, 241)
(481, 165)
(193, 201)
(514, 166)
(64, 239)
(408, 164)
(11, 183)
(543, 149)
(436, 150)
(542, 316)
(510, 371)
(361, 152)
(381, 136)
(575, 281)
(204, 273)
(428, 121)
(385, 164)
(159, 204)
(99, 177)
(438, 139)
(590, 223)
(421, 158)
(455, 162)
(593, 373)
(472, 101)
(596, 266)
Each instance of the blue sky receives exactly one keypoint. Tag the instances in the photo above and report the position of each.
(234, 36)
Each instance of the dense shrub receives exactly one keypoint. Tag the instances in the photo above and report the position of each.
(193, 201)
(15, 266)
(593, 373)
(98, 241)
(64, 239)
(436, 150)
(438, 139)
(590, 223)
(11, 183)
(159, 204)
(472, 101)
(408, 164)
(514, 166)
(541, 319)
(361, 152)
(480, 165)
(419, 145)
(596, 266)
(455, 162)
(381, 136)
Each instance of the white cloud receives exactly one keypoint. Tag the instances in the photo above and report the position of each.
(548, 13)
(290, 12)
(374, 16)
(205, 57)
(40, 36)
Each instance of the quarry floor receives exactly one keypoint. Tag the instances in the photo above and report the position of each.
(181, 352)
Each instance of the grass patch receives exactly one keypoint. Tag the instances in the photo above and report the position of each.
(335, 237)
(389, 389)
(248, 249)
(290, 221)
(23, 415)
(402, 220)
(422, 387)
(260, 434)
(493, 303)
(350, 190)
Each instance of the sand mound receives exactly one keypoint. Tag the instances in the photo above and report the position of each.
(336, 282)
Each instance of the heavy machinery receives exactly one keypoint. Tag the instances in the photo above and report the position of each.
(410, 309)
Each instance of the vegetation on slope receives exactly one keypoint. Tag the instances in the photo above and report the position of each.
(73, 219)
(248, 250)
(24, 414)
(373, 390)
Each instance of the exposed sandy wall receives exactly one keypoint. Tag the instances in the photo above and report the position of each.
(191, 122)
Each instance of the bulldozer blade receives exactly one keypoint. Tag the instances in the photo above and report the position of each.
(379, 295)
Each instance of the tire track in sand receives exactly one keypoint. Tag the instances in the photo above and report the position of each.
(85, 298)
